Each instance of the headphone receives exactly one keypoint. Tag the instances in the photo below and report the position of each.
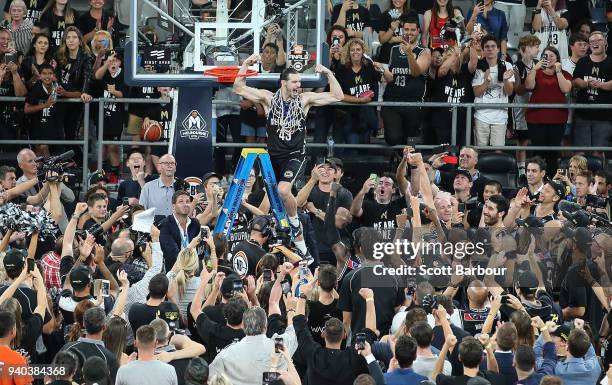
(264, 223)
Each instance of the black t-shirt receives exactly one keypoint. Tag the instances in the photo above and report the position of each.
(574, 288)
(384, 23)
(404, 87)
(67, 74)
(356, 19)
(25, 69)
(44, 123)
(27, 299)
(32, 329)
(452, 88)
(86, 23)
(215, 313)
(131, 188)
(355, 83)
(387, 295)
(216, 336)
(588, 70)
(320, 200)
(240, 231)
(245, 257)
(34, 7)
(142, 93)
(161, 113)
(56, 26)
(382, 217)
(318, 314)
(141, 314)
(114, 113)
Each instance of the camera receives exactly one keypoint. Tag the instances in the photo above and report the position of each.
(31, 264)
(58, 164)
(269, 377)
(94, 230)
(335, 40)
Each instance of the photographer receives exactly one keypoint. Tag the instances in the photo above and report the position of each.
(27, 161)
(247, 254)
(99, 224)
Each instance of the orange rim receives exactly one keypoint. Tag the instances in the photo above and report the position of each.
(227, 74)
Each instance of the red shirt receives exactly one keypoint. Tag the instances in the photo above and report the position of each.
(435, 27)
(547, 91)
(9, 357)
(51, 270)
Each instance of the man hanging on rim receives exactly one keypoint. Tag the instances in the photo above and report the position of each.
(286, 112)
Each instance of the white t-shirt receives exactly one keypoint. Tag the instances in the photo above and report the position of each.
(568, 65)
(494, 94)
(551, 35)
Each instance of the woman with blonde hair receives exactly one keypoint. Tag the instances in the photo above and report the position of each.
(101, 43)
(19, 26)
(55, 18)
(183, 277)
(359, 78)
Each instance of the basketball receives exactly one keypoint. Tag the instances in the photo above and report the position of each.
(151, 134)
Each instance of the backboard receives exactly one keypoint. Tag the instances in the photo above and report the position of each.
(172, 42)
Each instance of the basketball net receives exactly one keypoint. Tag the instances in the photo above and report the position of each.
(288, 122)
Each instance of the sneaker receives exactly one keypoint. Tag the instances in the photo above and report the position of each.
(296, 231)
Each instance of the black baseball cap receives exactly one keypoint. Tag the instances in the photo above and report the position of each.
(80, 277)
(169, 312)
(463, 172)
(337, 161)
(95, 372)
(559, 188)
(209, 175)
(227, 286)
(14, 261)
(527, 279)
(562, 331)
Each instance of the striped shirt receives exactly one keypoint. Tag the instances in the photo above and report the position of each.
(22, 36)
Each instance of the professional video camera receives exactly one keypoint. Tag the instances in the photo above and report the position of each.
(59, 164)
(575, 214)
(531, 222)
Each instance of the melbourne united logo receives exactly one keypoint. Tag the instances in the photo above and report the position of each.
(194, 126)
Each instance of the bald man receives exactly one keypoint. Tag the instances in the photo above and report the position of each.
(158, 193)
(26, 160)
(475, 314)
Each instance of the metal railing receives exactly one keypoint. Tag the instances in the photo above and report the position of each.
(84, 142)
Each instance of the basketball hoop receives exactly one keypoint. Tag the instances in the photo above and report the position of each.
(227, 74)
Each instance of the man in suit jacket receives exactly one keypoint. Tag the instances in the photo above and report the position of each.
(177, 230)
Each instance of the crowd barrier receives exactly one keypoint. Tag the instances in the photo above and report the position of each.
(100, 142)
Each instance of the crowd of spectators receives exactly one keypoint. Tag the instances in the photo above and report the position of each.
(140, 290)
(137, 289)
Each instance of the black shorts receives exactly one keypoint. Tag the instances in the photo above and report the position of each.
(287, 168)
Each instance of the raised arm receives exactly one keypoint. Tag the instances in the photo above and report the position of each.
(370, 319)
(81, 207)
(334, 95)
(253, 94)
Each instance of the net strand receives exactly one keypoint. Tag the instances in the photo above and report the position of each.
(288, 122)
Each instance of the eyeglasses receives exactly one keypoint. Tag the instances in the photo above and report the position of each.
(596, 41)
(168, 163)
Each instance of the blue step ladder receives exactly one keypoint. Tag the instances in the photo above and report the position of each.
(225, 222)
